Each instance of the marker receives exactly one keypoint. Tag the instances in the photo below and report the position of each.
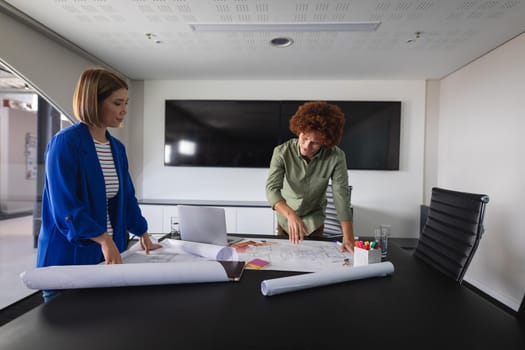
(338, 243)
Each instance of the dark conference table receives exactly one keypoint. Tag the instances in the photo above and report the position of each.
(415, 307)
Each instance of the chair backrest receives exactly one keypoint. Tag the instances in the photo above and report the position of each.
(332, 227)
(521, 311)
(452, 231)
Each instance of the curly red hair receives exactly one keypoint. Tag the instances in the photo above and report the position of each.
(323, 118)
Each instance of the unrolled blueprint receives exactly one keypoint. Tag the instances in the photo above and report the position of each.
(307, 256)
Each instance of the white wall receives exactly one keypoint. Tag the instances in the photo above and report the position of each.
(481, 149)
(132, 133)
(388, 197)
(431, 138)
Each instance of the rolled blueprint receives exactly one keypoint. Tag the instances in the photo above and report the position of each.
(173, 249)
(121, 275)
(329, 276)
(210, 251)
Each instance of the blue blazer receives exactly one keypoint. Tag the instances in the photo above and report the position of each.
(74, 200)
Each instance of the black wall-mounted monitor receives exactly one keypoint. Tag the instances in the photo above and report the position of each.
(243, 133)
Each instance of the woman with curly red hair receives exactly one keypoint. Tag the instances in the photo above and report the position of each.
(301, 169)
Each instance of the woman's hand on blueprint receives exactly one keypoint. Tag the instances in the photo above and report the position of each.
(147, 244)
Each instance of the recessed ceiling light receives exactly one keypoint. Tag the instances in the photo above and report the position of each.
(281, 42)
(286, 27)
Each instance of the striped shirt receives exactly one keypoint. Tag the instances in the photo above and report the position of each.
(105, 157)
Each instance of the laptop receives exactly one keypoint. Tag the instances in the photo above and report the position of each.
(204, 225)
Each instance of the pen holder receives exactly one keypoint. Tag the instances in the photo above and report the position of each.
(365, 257)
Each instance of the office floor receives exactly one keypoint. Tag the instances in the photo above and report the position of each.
(16, 255)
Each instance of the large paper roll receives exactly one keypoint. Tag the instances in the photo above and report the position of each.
(120, 275)
(329, 276)
(210, 251)
(173, 250)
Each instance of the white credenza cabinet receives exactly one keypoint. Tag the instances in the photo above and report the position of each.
(245, 219)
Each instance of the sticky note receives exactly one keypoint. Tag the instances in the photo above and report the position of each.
(257, 263)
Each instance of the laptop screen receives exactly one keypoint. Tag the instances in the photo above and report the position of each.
(203, 224)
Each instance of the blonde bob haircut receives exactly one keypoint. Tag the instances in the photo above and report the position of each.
(93, 87)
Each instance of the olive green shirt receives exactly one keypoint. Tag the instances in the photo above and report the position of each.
(303, 184)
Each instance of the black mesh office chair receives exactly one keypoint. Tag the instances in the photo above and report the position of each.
(521, 311)
(452, 231)
(332, 227)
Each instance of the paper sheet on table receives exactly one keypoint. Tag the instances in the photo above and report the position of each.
(121, 275)
(329, 276)
(175, 250)
(307, 256)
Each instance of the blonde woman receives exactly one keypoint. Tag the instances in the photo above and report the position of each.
(89, 203)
